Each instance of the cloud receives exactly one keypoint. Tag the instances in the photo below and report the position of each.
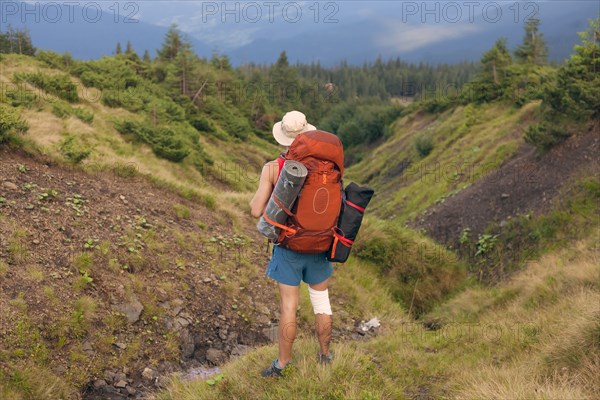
(405, 38)
(212, 31)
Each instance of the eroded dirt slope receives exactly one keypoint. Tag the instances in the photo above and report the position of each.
(109, 274)
(524, 184)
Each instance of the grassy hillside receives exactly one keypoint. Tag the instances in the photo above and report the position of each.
(536, 337)
(52, 121)
(432, 156)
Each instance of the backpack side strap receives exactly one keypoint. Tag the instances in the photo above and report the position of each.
(283, 208)
(290, 231)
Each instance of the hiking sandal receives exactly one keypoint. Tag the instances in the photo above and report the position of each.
(325, 359)
(273, 371)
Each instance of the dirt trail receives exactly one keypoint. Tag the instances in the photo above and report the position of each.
(523, 184)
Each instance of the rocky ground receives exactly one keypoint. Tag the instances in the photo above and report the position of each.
(161, 277)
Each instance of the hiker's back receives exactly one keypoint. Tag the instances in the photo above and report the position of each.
(313, 218)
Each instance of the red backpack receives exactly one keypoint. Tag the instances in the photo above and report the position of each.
(312, 220)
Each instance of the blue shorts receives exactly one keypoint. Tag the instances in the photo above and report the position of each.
(290, 268)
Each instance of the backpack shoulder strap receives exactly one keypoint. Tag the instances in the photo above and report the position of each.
(280, 161)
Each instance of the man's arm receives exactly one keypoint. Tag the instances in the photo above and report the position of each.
(262, 195)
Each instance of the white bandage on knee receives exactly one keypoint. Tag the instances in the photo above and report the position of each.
(320, 301)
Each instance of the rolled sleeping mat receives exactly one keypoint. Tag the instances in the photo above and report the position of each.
(292, 177)
(355, 201)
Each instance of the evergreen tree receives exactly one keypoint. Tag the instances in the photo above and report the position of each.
(133, 56)
(282, 61)
(129, 49)
(577, 90)
(220, 62)
(179, 71)
(16, 41)
(533, 50)
(496, 60)
(172, 44)
(118, 49)
(284, 79)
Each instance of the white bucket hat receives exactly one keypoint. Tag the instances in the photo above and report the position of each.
(292, 124)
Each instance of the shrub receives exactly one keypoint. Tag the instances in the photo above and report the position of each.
(83, 114)
(166, 142)
(437, 105)
(169, 146)
(53, 59)
(60, 109)
(424, 145)
(10, 121)
(544, 137)
(128, 99)
(59, 85)
(227, 118)
(20, 97)
(202, 124)
(73, 151)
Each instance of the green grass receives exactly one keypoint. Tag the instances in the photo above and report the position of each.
(418, 272)
(490, 345)
(466, 144)
(25, 381)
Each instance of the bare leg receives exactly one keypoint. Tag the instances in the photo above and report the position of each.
(323, 322)
(287, 322)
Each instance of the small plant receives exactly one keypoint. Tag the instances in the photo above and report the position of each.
(90, 244)
(77, 203)
(83, 262)
(83, 311)
(19, 302)
(182, 211)
(464, 236)
(104, 248)
(17, 246)
(21, 168)
(49, 194)
(215, 380)
(209, 201)
(83, 280)
(486, 243)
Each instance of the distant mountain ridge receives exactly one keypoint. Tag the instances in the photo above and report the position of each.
(88, 32)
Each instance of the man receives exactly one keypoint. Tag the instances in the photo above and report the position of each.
(289, 268)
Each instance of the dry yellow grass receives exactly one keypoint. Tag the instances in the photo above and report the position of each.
(517, 349)
(558, 312)
(44, 128)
